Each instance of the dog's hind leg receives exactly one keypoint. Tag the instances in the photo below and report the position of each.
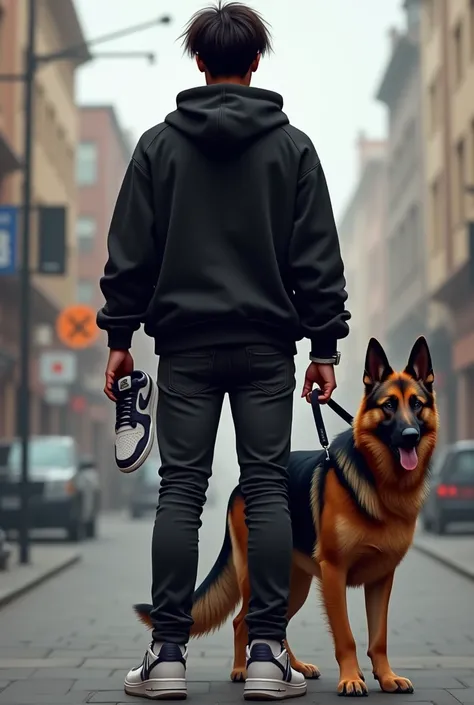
(377, 598)
(241, 635)
(239, 537)
(299, 590)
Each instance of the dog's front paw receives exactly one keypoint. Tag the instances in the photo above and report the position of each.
(391, 683)
(238, 675)
(353, 687)
(307, 669)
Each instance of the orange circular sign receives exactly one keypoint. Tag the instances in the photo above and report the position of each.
(76, 326)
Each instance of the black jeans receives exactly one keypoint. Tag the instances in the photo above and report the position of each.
(260, 381)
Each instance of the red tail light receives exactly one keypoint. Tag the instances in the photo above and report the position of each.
(447, 491)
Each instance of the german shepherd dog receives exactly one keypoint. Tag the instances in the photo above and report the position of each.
(353, 520)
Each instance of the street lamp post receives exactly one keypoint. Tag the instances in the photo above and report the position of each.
(32, 62)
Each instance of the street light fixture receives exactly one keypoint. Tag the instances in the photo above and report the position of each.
(33, 61)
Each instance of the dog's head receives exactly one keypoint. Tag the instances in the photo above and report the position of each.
(397, 421)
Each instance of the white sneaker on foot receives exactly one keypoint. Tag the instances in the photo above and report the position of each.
(162, 674)
(137, 397)
(269, 674)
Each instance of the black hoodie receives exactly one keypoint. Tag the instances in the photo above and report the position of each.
(223, 232)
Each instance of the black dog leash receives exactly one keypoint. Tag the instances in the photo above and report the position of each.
(318, 418)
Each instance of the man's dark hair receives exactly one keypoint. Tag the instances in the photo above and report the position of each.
(227, 37)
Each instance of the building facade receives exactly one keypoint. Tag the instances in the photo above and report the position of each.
(447, 60)
(103, 154)
(400, 92)
(362, 235)
(55, 137)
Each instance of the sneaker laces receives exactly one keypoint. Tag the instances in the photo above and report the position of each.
(125, 409)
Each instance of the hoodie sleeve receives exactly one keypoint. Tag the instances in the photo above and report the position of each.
(316, 263)
(130, 271)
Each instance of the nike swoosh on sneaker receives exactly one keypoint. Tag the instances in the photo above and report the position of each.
(144, 401)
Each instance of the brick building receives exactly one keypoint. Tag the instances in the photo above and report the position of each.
(103, 154)
(55, 137)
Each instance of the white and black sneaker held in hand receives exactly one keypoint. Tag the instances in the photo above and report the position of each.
(162, 674)
(137, 397)
(269, 674)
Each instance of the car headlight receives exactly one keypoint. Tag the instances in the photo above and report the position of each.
(59, 489)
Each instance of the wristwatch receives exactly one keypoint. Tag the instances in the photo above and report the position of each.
(334, 360)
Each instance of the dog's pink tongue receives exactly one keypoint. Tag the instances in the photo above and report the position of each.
(408, 458)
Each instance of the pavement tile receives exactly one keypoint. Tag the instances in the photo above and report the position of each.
(112, 663)
(465, 696)
(76, 698)
(33, 663)
(22, 651)
(94, 684)
(72, 673)
(42, 687)
(4, 684)
(114, 696)
(13, 674)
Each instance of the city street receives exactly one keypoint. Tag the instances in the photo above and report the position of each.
(72, 639)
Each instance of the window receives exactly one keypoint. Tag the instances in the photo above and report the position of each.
(85, 291)
(460, 183)
(458, 54)
(463, 466)
(471, 180)
(433, 106)
(471, 27)
(437, 214)
(86, 164)
(86, 229)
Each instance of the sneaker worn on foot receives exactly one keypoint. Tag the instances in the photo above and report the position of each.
(137, 397)
(162, 674)
(269, 674)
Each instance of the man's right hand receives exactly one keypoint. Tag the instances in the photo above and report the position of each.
(324, 377)
(120, 364)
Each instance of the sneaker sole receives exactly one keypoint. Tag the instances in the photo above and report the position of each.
(147, 450)
(260, 689)
(158, 689)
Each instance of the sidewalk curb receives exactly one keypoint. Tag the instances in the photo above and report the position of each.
(37, 580)
(444, 560)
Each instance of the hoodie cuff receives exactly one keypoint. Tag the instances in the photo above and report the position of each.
(324, 349)
(120, 339)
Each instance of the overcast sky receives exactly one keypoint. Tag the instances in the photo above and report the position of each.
(329, 57)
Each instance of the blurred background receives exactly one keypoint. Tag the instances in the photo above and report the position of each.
(386, 92)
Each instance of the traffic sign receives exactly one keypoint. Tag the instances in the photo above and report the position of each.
(57, 367)
(56, 396)
(76, 326)
(8, 239)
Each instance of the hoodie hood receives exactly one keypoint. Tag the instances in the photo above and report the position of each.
(224, 119)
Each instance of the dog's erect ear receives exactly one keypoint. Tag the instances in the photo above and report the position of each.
(377, 366)
(419, 363)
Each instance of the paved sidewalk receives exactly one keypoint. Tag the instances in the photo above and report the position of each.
(46, 561)
(72, 640)
(454, 550)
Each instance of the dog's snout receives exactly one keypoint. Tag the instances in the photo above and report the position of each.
(410, 436)
(410, 432)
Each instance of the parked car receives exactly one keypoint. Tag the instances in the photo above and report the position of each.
(64, 487)
(145, 486)
(451, 498)
(143, 497)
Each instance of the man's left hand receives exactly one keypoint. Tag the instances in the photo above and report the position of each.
(120, 364)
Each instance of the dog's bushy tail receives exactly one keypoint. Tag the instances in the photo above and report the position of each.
(217, 596)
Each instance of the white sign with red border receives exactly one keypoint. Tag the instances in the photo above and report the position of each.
(57, 367)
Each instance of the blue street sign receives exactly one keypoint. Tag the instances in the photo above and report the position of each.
(8, 239)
